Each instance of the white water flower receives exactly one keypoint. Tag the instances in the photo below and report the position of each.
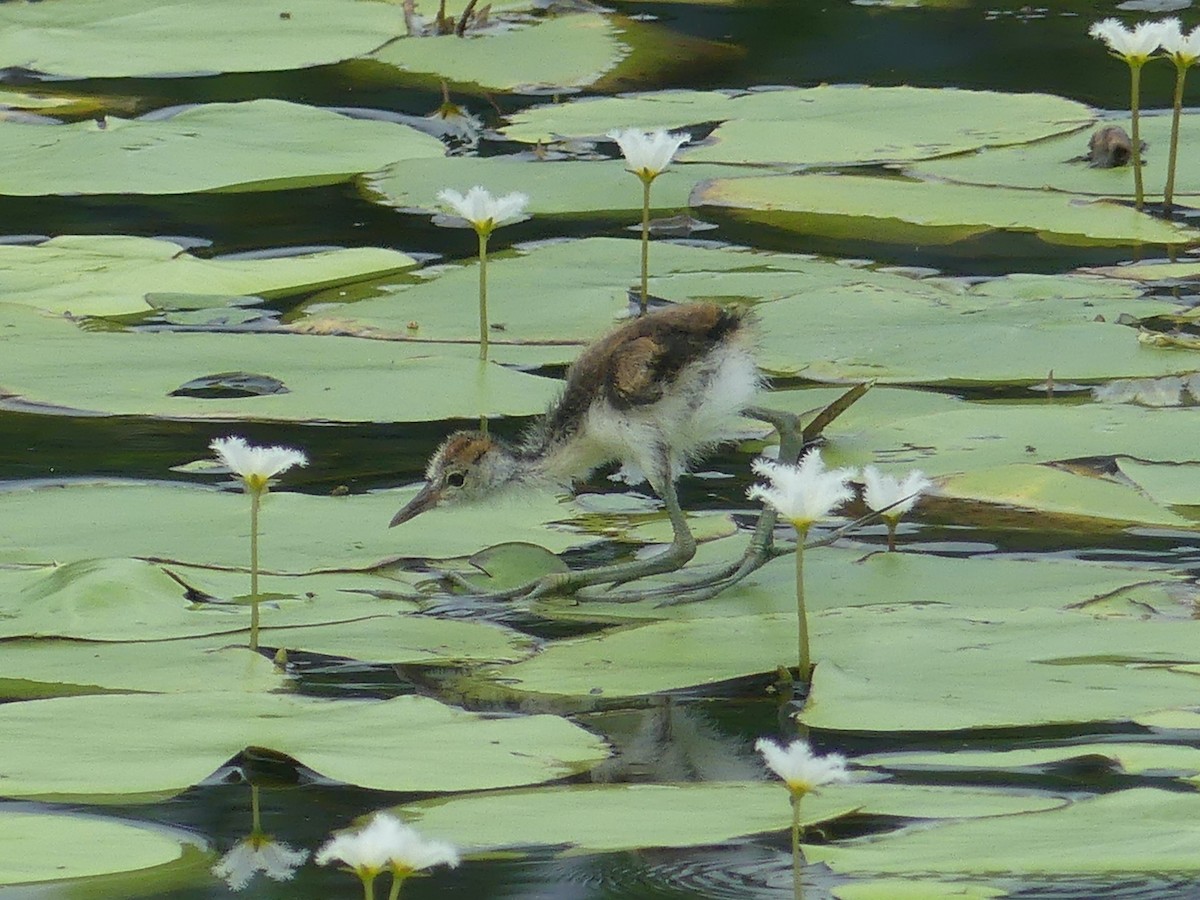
(648, 153)
(801, 769)
(1134, 46)
(1180, 48)
(386, 843)
(485, 212)
(256, 465)
(802, 493)
(258, 853)
(891, 497)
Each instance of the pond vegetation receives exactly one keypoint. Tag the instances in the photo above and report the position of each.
(221, 219)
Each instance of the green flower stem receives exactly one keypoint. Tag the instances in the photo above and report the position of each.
(1169, 190)
(397, 881)
(483, 316)
(797, 860)
(802, 670)
(891, 527)
(645, 240)
(255, 500)
(368, 881)
(1135, 78)
(255, 812)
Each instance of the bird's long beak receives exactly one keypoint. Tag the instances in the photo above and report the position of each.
(426, 498)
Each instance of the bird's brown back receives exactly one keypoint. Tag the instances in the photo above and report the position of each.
(637, 362)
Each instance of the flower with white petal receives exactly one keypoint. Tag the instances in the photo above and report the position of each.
(484, 212)
(1136, 45)
(256, 465)
(258, 853)
(1180, 48)
(386, 843)
(648, 153)
(802, 493)
(801, 769)
(891, 497)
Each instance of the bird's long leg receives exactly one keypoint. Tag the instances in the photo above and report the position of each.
(793, 439)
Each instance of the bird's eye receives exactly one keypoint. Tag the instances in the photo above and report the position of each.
(455, 479)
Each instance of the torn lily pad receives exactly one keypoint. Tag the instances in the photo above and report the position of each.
(114, 275)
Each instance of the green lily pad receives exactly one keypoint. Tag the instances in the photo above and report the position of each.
(133, 600)
(904, 330)
(957, 438)
(891, 210)
(1063, 493)
(827, 125)
(626, 817)
(1131, 758)
(429, 746)
(327, 378)
(848, 577)
(298, 533)
(913, 889)
(1132, 831)
(253, 146)
(33, 848)
(991, 668)
(1056, 165)
(572, 189)
(1167, 483)
(109, 275)
(33, 669)
(564, 51)
(137, 38)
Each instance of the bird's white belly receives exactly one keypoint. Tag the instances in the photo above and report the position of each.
(696, 412)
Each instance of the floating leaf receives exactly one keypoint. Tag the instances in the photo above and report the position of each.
(1131, 831)
(34, 848)
(564, 51)
(828, 125)
(253, 146)
(110, 275)
(1059, 164)
(329, 379)
(145, 746)
(299, 533)
(626, 817)
(136, 38)
(896, 211)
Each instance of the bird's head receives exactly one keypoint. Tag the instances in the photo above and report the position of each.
(467, 466)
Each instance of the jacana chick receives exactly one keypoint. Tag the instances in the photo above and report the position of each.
(654, 394)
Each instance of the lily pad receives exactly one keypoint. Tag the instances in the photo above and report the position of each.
(1133, 758)
(892, 210)
(127, 756)
(253, 146)
(821, 126)
(1056, 165)
(328, 378)
(298, 533)
(563, 51)
(572, 189)
(1063, 493)
(1132, 831)
(627, 817)
(33, 848)
(991, 669)
(137, 38)
(903, 330)
(110, 275)
(33, 669)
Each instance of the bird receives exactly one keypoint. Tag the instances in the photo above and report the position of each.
(654, 394)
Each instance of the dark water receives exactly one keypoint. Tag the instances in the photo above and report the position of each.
(1008, 47)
